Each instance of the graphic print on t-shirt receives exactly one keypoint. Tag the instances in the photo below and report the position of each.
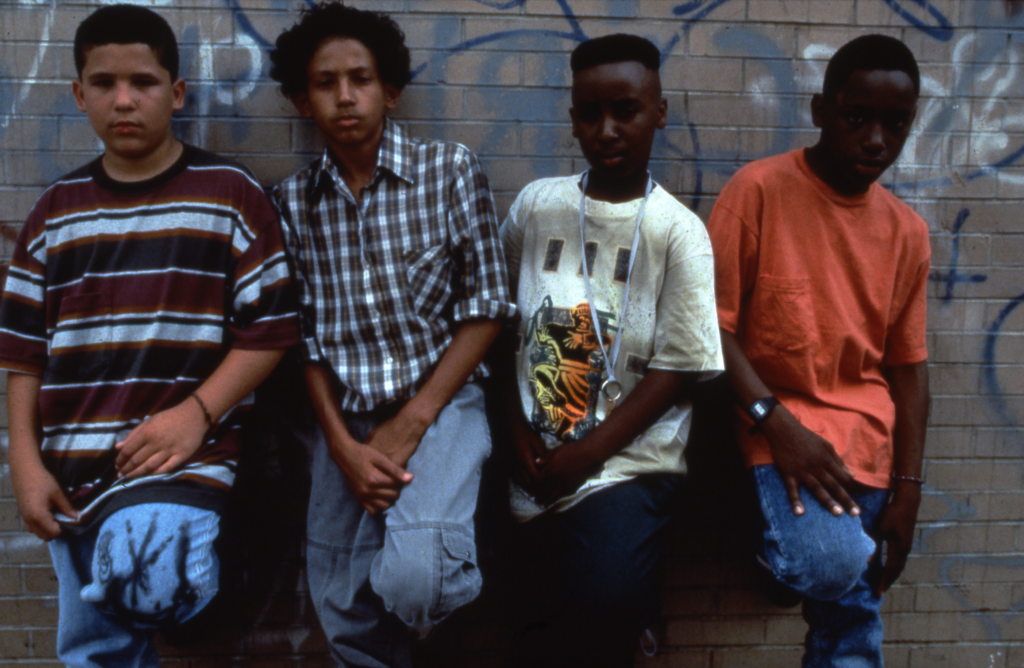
(566, 369)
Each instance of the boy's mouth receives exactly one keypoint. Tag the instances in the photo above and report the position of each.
(346, 121)
(610, 160)
(125, 127)
(870, 168)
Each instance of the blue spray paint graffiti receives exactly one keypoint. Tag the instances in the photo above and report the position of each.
(952, 277)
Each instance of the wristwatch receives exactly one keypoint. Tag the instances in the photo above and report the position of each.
(760, 410)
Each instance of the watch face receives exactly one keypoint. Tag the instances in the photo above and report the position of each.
(759, 409)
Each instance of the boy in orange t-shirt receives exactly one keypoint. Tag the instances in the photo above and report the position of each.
(821, 278)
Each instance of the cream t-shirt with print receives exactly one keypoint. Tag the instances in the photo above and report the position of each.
(670, 321)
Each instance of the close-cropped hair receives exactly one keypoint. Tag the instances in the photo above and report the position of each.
(127, 24)
(866, 53)
(617, 48)
(377, 31)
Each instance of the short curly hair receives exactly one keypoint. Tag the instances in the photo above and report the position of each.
(377, 31)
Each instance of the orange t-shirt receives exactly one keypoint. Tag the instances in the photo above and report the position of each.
(822, 291)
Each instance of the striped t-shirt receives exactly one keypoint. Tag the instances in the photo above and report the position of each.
(125, 297)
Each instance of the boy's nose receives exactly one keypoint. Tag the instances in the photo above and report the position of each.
(345, 93)
(608, 127)
(874, 137)
(125, 96)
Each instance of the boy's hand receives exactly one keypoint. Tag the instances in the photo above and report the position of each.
(375, 480)
(804, 458)
(163, 442)
(528, 450)
(561, 471)
(896, 527)
(38, 494)
(398, 438)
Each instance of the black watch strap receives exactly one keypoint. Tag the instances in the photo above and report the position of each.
(760, 410)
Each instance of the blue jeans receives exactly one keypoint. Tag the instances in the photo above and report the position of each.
(375, 577)
(587, 581)
(826, 558)
(145, 567)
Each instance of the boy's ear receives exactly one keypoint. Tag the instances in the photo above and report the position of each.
(301, 102)
(662, 113)
(178, 88)
(572, 116)
(817, 108)
(79, 93)
(391, 96)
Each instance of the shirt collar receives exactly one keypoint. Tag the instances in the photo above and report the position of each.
(394, 156)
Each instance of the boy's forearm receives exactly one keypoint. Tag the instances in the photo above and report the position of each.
(23, 420)
(745, 382)
(325, 402)
(908, 387)
(467, 349)
(238, 374)
(656, 392)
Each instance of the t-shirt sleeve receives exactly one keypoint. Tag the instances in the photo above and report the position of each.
(480, 285)
(735, 249)
(686, 334)
(264, 308)
(284, 198)
(906, 342)
(23, 339)
(512, 232)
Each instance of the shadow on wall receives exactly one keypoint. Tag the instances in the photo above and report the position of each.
(262, 531)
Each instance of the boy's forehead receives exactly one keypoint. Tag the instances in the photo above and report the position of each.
(137, 54)
(626, 78)
(351, 50)
(878, 88)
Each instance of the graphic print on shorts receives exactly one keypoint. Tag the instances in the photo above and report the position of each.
(566, 369)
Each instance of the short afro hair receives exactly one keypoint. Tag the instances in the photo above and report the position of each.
(866, 53)
(617, 48)
(127, 24)
(375, 30)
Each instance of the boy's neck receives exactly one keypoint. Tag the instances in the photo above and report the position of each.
(617, 190)
(822, 165)
(127, 169)
(358, 163)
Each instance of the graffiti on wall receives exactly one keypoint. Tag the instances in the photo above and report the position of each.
(968, 130)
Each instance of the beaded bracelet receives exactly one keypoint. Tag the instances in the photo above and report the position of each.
(202, 407)
(907, 478)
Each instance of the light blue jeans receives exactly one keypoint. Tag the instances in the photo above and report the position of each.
(375, 577)
(145, 567)
(826, 558)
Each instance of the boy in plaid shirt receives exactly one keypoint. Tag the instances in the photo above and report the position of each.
(403, 289)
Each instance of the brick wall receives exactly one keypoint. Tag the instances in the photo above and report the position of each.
(738, 75)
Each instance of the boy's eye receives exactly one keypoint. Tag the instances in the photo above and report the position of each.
(855, 119)
(588, 113)
(624, 112)
(896, 122)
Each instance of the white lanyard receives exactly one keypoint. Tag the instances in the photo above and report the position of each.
(611, 388)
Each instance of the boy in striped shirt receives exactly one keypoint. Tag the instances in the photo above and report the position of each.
(147, 297)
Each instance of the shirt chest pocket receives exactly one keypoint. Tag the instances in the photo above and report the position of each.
(781, 315)
(427, 272)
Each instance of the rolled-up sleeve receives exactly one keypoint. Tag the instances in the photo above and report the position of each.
(481, 286)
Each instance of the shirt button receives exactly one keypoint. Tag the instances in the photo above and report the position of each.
(390, 360)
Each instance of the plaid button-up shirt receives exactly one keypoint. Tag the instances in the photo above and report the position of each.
(384, 279)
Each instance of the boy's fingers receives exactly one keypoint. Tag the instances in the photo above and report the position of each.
(392, 470)
(793, 492)
(60, 500)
